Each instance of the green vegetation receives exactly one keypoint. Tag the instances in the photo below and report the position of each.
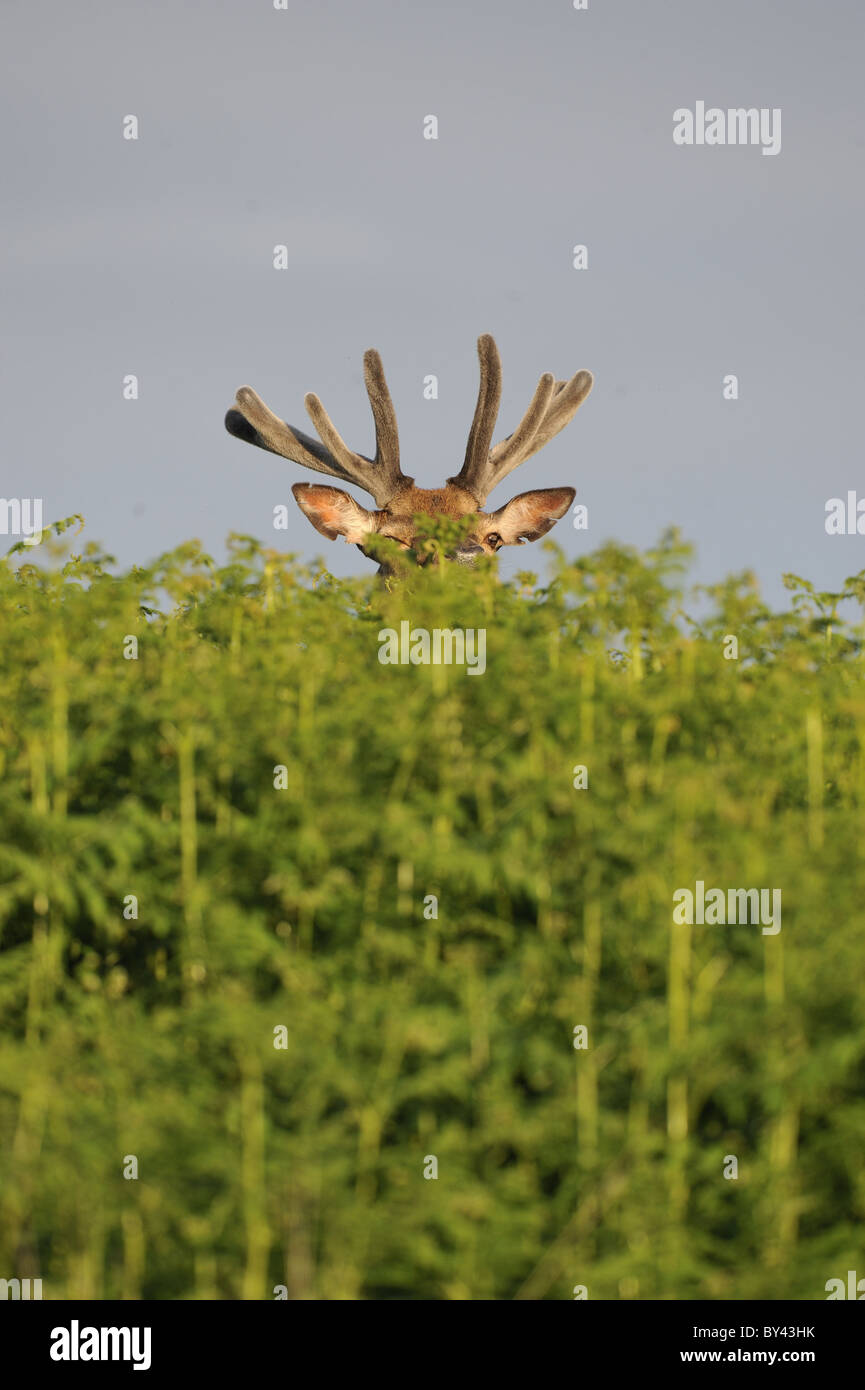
(412, 1035)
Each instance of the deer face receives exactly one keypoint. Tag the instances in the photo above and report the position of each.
(334, 512)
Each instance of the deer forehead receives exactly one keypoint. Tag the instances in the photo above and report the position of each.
(446, 501)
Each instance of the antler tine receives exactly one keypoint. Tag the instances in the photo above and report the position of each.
(252, 421)
(384, 415)
(380, 477)
(473, 474)
(387, 437)
(553, 404)
(566, 401)
(350, 462)
(513, 450)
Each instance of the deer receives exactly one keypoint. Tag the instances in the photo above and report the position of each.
(398, 501)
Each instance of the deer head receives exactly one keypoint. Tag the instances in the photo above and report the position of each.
(335, 513)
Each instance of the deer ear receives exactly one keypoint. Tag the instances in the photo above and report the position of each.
(334, 513)
(531, 514)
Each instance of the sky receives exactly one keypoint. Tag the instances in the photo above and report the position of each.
(304, 127)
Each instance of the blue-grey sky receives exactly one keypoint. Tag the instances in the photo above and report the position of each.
(305, 127)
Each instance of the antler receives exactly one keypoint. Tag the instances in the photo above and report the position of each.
(551, 407)
(381, 477)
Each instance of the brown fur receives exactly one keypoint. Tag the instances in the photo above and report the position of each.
(532, 514)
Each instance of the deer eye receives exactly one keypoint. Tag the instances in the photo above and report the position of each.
(494, 540)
